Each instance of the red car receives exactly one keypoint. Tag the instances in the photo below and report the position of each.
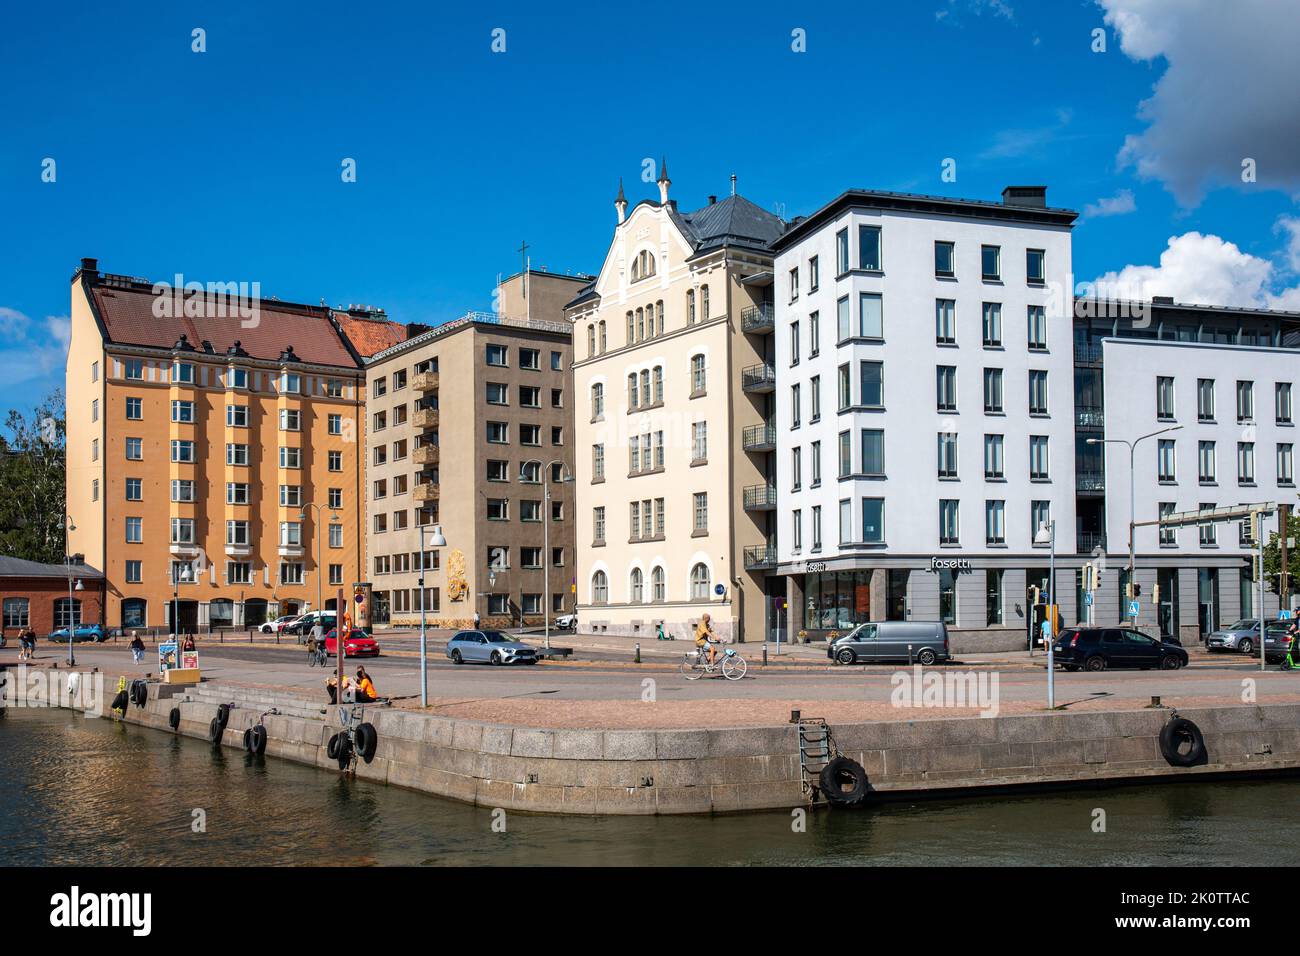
(357, 644)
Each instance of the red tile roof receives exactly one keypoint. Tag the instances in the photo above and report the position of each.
(369, 336)
(129, 316)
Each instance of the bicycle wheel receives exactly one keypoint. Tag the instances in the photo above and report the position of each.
(311, 658)
(734, 667)
(690, 669)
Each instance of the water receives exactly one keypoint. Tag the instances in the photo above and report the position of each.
(92, 792)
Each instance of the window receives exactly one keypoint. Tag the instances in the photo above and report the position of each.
(869, 248)
(1245, 401)
(949, 522)
(945, 377)
(333, 387)
(134, 369)
(182, 451)
(1209, 532)
(1282, 403)
(291, 572)
(1205, 399)
(1037, 392)
(842, 252)
(993, 458)
(846, 397)
(991, 262)
(873, 519)
(697, 375)
(1168, 536)
(290, 534)
(704, 302)
(636, 590)
(182, 489)
(873, 452)
(846, 455)
(796, 529)
(497, 355)
(1205, 458)
(597, 402)
(945, 321)
(701, 511)
(183, 412)
(816, 455)
(993, 597)
(599, 588)
(134, 409)
(134, 449)
(498, 394)
(17, 612)
(995, 524)
(237, 533)
(992, 324)
(237, 416)
(183, 372)
(794, 283)
(335, 459)
(947, 455)
(530, 511)
(993, 391)
(1165, 398)
(1245, 462)
(134, 572)
(94, 449)
(1037, 327)
(597, 462)
(530, 434)
(380, 387)
(699, 442)
(1166, 470)
(817, 527)
(795, 406)
(815, 396)
(1038, 461)
(134, 489)
(290, 457)
(598, 524)
(557, 398)
(236, 454)
(530, 359)
(944, 254)
(67, 612)
(814, 332)
(557, 362)
(134, 530)
(794, 343)
(872, 384)
(871, 316)
(498, 509)
(335, 422)
(700, 583)
(1040, 517)
(846, 521)
(498, 433)
(182, 531)
(1035, 266)
(1285, 464)
(94, 409)
(843, 331)
(291, 382)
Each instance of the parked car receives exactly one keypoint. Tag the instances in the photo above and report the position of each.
(301, 628)
(566, 622)
(1099, 648)
(279, 624)
(1242, 637)
(491, 647)
(1276, 641)
(923, 642)
(82, 632)
(358, 643)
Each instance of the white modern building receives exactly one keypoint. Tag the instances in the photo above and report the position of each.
(925, 420)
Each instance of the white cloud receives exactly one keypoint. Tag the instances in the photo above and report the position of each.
(32, 349)
(1117, 205)
(1228, 92)
(1207, 270)
(978, 7)
(1011, 143)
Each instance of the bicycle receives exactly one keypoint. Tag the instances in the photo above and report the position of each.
(696, 664)
(317, 656)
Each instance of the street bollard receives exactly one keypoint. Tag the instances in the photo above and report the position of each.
(909, 655)
(637, 659)
(765, 653)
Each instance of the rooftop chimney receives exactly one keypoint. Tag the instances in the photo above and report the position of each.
(1025, 196)
(90, 267)
(712, 200)
(1162, 300)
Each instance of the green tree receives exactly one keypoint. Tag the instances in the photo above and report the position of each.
(32, 476)
(1273, 557)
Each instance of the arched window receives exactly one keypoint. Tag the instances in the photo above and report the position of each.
(650, 321)
(640, 324)
(591, 340)
(599, 588)
(635, 587)
(632, 397)
(690, 306)
(603, 339)
(659, 311)
(643, 266)
(631, 328)
(659, 384)
(645, 386)
(657, 585)
(704, 303)
(134, 612)
(221, 612)
(699, 583)
(61, 615)
(597, 401)
(17, 612)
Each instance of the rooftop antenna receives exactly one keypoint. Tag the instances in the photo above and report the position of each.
(733, 184)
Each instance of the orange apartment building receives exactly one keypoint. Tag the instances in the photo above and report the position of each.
(214, 447)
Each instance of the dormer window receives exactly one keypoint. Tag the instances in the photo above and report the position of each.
(643, 266)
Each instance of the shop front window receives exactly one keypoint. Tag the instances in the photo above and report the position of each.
(836, 600)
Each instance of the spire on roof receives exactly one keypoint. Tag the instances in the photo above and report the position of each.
(621, 202)
(664, 182)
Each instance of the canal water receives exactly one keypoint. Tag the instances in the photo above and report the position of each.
(94, 792)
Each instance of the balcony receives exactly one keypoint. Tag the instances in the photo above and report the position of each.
(758, 378)
(758, 319)
(1090, 480)
(425, 491)
(760, 497)
(425, 455)
(425, 381)
(1090, 416)
(1086, 542)
(425, 418)
(759, 438)
(760, 558)
(1087, 354)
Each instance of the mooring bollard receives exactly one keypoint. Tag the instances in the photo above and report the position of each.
(637, 659)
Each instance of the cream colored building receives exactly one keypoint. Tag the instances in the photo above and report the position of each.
(674, 389)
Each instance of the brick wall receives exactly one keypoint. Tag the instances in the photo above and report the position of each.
(41, 593)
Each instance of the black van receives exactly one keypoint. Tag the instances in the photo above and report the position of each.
(1098, 648)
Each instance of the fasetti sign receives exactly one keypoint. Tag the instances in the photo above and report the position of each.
(949, 564)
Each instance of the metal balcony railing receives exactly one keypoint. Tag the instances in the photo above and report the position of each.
(1087, 354)
(759, 438)
(760, 497)
(760, 557)
(1090, 481)
(758, 319)
(758, 378)
(1090, 417)
(1089, 541)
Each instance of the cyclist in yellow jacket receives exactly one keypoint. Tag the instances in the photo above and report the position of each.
(705, 639)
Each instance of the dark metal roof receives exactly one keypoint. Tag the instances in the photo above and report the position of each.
(21, 568)
(734, 220)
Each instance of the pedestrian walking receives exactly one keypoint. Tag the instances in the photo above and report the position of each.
(27, 645)
(137, 647)
(476, 620)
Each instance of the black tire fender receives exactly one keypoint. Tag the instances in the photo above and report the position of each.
(223, 715)
(344, 756)
(258, 739)
(836, 774)
(367, 740)
(332, 748)
(215, 731)
(1177, 731)
(140, 690)
(174, 718)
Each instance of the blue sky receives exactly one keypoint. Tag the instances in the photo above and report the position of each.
(225, 165)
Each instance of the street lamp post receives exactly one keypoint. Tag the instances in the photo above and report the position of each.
(1048, 530)
(437, 541)
(546, 544)
(320, 605)
(68, 528)
(1132, 500)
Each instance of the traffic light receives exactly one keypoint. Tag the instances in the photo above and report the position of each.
(1033, 595)
(1096, 577)
(1137, 590)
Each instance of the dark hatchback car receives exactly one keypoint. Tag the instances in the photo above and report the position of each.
(1100, 648)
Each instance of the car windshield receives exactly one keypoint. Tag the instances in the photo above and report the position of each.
(1244, 625)
(496, 637)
